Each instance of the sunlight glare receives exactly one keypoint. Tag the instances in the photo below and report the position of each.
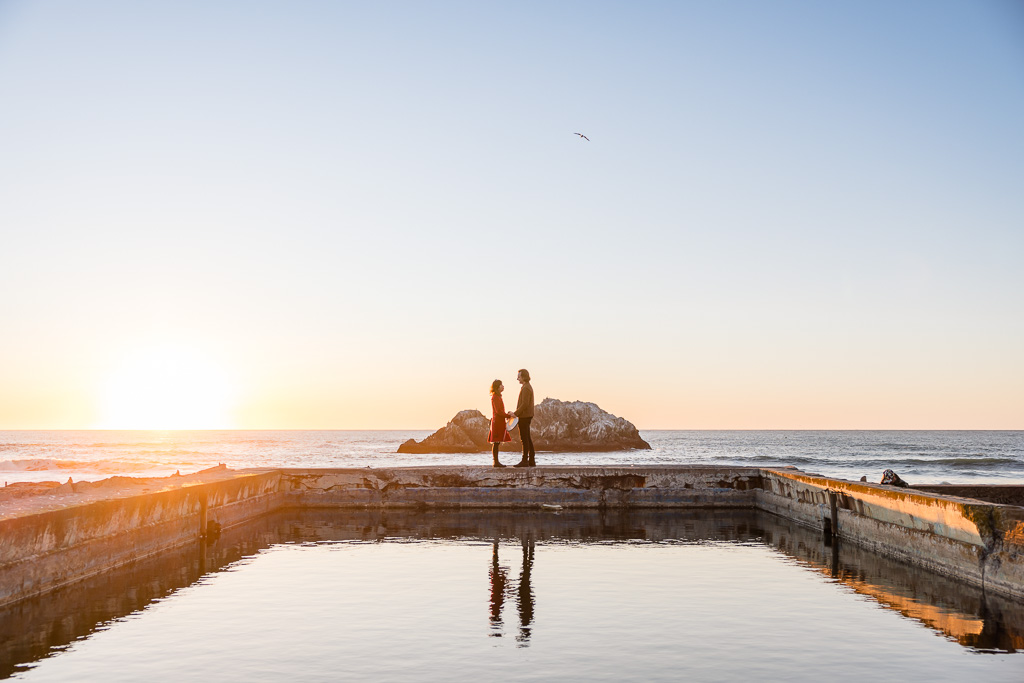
(166, 388)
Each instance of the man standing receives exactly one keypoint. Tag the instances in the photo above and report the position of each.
(524, 411)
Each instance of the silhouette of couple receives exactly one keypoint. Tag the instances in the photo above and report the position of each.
(524, 411)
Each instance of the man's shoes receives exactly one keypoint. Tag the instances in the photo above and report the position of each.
(522, 463)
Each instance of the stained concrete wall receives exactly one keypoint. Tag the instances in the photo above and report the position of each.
(483, 487)
(56, 540)
(977, 542)
(1004, 494)
(44, 545)
(31, 629)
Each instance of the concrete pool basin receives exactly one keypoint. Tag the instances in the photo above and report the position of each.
(50, 541)
(62, 622)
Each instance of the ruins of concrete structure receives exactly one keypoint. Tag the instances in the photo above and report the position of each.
(49, 541)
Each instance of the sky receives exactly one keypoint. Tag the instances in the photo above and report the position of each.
(352, 215)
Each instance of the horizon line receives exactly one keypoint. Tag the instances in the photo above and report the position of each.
(434, 429)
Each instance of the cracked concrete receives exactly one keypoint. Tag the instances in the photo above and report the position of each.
(47, 541)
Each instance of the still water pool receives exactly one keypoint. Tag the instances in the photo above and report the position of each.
(704, 596)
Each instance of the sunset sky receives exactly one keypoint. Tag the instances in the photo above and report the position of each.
(356, 215)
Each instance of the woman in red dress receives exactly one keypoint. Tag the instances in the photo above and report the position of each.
(499, 434)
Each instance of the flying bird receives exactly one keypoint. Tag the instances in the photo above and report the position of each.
(582, 136)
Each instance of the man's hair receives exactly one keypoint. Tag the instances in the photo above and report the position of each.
(494, 386)
(525, 373)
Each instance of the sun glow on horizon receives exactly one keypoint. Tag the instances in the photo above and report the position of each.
(167, 387)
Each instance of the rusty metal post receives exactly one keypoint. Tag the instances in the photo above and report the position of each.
(833, 507)
(203, 513)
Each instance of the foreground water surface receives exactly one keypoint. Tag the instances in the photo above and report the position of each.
(314, 595)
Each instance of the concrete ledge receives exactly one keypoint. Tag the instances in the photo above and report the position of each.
(68, 540)
(1004, 494)
(54, 540)
(485, 487)
(927, 530)
(32, 629)
(973, 541)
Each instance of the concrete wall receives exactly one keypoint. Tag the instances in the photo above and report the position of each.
(42, 549)
(32, 629)
(483, 487)
(1004, 494)
(977, 542)
(57, 540)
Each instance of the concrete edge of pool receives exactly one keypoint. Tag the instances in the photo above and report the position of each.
(49, 541)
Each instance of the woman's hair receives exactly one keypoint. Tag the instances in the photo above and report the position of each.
(525, 373)
(494, 386)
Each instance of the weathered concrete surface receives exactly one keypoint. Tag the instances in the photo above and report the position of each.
(1004, 494)
(967, 614)
(569, 487)
(50, 540)
(974, 541)
(32, 629)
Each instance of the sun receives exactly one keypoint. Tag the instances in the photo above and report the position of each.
(166, 387)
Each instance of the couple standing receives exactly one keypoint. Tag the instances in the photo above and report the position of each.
(524, 411)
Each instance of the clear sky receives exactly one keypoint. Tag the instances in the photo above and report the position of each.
(357, 214)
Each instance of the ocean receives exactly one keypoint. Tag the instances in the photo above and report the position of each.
(930, 457)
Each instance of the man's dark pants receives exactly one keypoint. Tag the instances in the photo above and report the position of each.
(529, 455)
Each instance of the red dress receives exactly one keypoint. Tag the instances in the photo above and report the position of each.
(498, 432)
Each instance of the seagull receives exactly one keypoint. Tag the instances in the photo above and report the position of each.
(582, 136)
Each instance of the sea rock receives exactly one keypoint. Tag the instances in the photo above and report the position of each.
(890, 478)
(561, 426)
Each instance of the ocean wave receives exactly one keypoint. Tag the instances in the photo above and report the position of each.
(918, 456)
(978, 462)
(51, 464)
(155, 445)
(176, 452)
(789, 459)
(970, 461)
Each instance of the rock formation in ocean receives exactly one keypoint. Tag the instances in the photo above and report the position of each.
(563, 426)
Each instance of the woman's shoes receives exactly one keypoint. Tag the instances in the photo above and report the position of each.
(498, 464)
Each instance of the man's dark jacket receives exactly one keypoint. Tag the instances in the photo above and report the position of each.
(525, 406)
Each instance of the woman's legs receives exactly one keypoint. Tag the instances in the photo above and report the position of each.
(494, 454)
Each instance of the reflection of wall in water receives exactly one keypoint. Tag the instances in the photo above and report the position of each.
(958, 610)
(30, 629)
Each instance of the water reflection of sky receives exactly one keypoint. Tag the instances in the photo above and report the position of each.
(652, 596)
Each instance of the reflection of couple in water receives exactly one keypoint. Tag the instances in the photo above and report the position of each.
(524, 411)
(524, 592)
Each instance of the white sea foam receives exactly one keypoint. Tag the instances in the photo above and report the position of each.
(919, 457)
(106, 467)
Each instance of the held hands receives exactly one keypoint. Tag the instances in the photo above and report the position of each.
(509, 414)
